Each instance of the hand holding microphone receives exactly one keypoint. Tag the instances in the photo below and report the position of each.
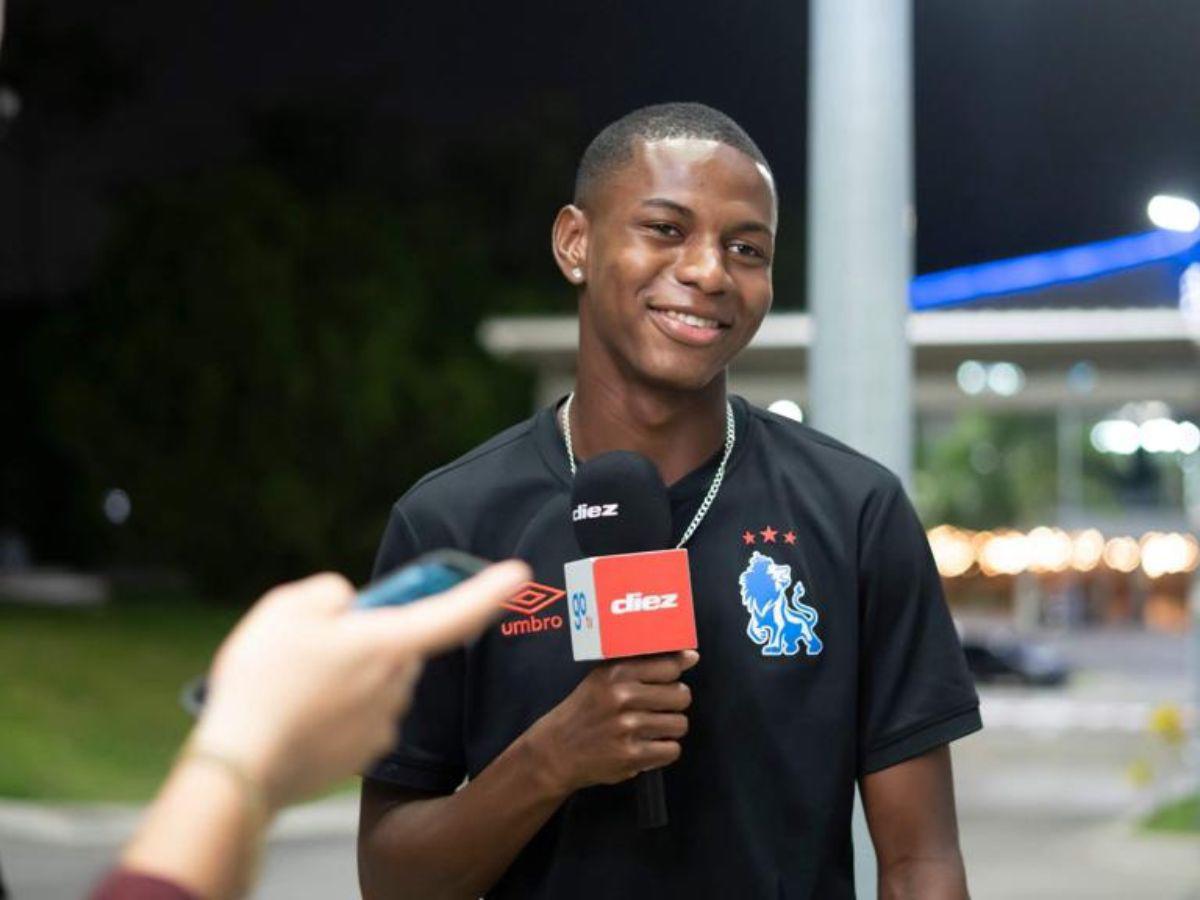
(630, 600)
(625, 718)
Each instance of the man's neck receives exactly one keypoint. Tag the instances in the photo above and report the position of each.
(677, 430)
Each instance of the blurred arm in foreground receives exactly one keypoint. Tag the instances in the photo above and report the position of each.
(302, 693)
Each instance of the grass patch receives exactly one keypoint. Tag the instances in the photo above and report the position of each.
(89, 698)
(1181, 816)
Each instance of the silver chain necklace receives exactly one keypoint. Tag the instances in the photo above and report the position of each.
(712, 488)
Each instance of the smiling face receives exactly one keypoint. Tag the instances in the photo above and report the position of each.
(675, 250)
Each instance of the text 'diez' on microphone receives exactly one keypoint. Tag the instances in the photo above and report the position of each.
(629, 596)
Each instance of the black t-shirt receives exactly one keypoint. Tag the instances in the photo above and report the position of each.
(827, 652)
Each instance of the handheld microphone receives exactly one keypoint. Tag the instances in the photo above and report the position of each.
(629, 596)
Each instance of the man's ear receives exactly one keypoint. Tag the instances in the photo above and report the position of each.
(569, 242)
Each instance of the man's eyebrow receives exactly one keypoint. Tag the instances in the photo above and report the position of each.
(753, 225)
(664, 203)
(748, 225)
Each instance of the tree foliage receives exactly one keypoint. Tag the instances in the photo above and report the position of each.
(263, 370)
(1001, 469)
(988, 470)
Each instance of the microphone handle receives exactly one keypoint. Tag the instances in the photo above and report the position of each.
(651, 799)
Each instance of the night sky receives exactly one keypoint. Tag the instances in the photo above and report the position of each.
(1039, 123)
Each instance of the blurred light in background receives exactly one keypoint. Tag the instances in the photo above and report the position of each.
(1158, 435)
(10, 103)
(117, 506)
(1167, 554)
(1046, 550)
(953, 550)
(972, 377)
(1189, 290)
(1087, 550)
(1116, 436)
(1003, 378)
(789, 408)
(1081, 378)
(1173, 213)
(1122, 554)
(1006, 379)
(1005, 553)
(1051, 550)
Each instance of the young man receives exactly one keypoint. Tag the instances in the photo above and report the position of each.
(827, 654)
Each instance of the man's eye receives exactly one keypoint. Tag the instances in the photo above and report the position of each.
(666, 229)
(741, 248)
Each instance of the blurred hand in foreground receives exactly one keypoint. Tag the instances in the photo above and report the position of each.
(303, 692)
(306, 690)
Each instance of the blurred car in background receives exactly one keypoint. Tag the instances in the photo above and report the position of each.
(1012, 660)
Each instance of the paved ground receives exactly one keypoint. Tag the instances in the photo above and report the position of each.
(56, 854)
(1045, 803)
(1051, 816)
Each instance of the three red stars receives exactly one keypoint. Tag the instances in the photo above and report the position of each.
(768, 536)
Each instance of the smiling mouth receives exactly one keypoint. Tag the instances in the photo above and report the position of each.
(687, 328)
(689, 319)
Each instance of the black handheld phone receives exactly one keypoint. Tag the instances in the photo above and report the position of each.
(430, 573)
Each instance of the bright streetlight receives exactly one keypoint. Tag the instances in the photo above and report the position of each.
(1173, 213)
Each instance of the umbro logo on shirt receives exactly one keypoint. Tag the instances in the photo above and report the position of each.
(530, 599)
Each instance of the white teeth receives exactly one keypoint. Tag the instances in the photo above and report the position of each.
(694, 321)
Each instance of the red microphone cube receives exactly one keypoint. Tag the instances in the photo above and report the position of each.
(630, 604)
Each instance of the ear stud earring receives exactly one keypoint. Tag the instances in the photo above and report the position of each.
(577, 274)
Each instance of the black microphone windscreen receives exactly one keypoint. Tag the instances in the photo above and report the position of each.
(619, 504)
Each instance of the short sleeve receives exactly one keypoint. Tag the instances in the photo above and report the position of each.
(428, 755)
(915, 690)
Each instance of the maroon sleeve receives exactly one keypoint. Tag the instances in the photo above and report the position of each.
(121, 884)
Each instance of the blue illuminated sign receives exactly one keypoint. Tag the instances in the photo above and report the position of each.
(1040, 270)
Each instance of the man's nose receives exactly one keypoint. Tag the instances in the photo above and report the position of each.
(702, 266)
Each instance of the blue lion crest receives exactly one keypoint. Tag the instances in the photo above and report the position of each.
(777, 622)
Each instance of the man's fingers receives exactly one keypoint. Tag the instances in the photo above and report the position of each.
(449, 618)
(663, 726)
(656, 754)
(674, 697)
(661, 669)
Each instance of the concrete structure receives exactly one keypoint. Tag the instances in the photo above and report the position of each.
(1134, 316)
(1138, 354)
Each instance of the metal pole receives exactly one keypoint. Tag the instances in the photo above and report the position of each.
(1191, 494)
(860, 230)
(1070, 463)
(861, 224)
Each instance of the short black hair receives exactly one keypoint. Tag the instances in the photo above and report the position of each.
(612, 148)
